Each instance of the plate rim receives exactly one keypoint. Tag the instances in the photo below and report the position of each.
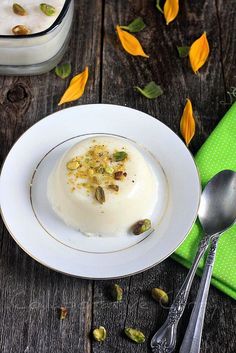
(117, 276)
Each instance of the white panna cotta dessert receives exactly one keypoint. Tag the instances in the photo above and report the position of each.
(33, 35)
(103, 186)
(29, 14)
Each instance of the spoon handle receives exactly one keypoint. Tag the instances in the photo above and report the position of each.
(192, 339)
(164, 340)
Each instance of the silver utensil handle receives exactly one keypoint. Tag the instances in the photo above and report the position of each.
(165, 338)
(192, 339)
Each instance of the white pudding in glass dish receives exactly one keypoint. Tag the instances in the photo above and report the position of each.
(33, 35)
(103, 186)
(29, 14)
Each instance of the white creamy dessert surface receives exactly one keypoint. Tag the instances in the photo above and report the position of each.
(73, 197)
(35, 19)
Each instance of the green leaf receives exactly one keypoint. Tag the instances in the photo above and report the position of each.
(135, 26)
(183, 51)
(158, 6)
(151, 90)
(63, 71)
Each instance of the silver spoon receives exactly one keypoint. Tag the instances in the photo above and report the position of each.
(192, 339)
(217, 213)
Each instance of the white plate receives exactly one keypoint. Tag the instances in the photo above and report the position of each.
(34, 226)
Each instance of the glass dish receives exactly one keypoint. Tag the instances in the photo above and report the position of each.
(40, 52)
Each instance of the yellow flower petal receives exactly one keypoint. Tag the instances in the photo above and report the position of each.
(76, 88)
(171, 9)
(187, 123)
(199, 52)
(130, 43)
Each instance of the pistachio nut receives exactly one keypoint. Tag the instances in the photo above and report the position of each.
(47, 9)
(117, 293)
(135, 335)
(120, 156)
(100, 334)
(118, 175)
(63, 312)
(113, 187)
(141, 226)
(109, 170)
(19, 10)
(101, 170)
(100, 195)
(72, 165)
(20, 30)
(160, 295)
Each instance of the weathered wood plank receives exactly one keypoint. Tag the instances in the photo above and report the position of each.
(30, 294)
(227, 23)
(121, 73)
(164, 66)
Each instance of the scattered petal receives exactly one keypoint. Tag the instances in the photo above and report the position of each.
(183, 51)
(199, 52)
(130, 43)
(76, 87)
(187, 123)
(151, 90)
(171, 9)
(135, 26)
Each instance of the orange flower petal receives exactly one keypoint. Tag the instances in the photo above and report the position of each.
(199, 52)
(130, 43)
(187, 123)
(76, 88)
(171, 9)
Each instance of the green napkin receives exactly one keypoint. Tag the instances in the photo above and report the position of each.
(216, 154)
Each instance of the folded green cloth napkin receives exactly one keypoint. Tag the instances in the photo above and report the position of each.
(216, 154)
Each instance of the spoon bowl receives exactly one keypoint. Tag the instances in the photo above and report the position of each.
(217, 210)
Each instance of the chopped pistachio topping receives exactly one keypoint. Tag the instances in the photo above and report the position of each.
(47, 9)
(135, 335)
(72, 165)
(100, 195)
(141, 226)
(118, 175)
(109, 170)
(114, 187)
(100, 334)
(19, 10)
(120, 156)
(20, 30)
(96, 170)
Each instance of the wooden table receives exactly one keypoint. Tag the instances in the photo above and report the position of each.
(30, 294)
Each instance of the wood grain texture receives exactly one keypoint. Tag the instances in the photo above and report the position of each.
(30, 294)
